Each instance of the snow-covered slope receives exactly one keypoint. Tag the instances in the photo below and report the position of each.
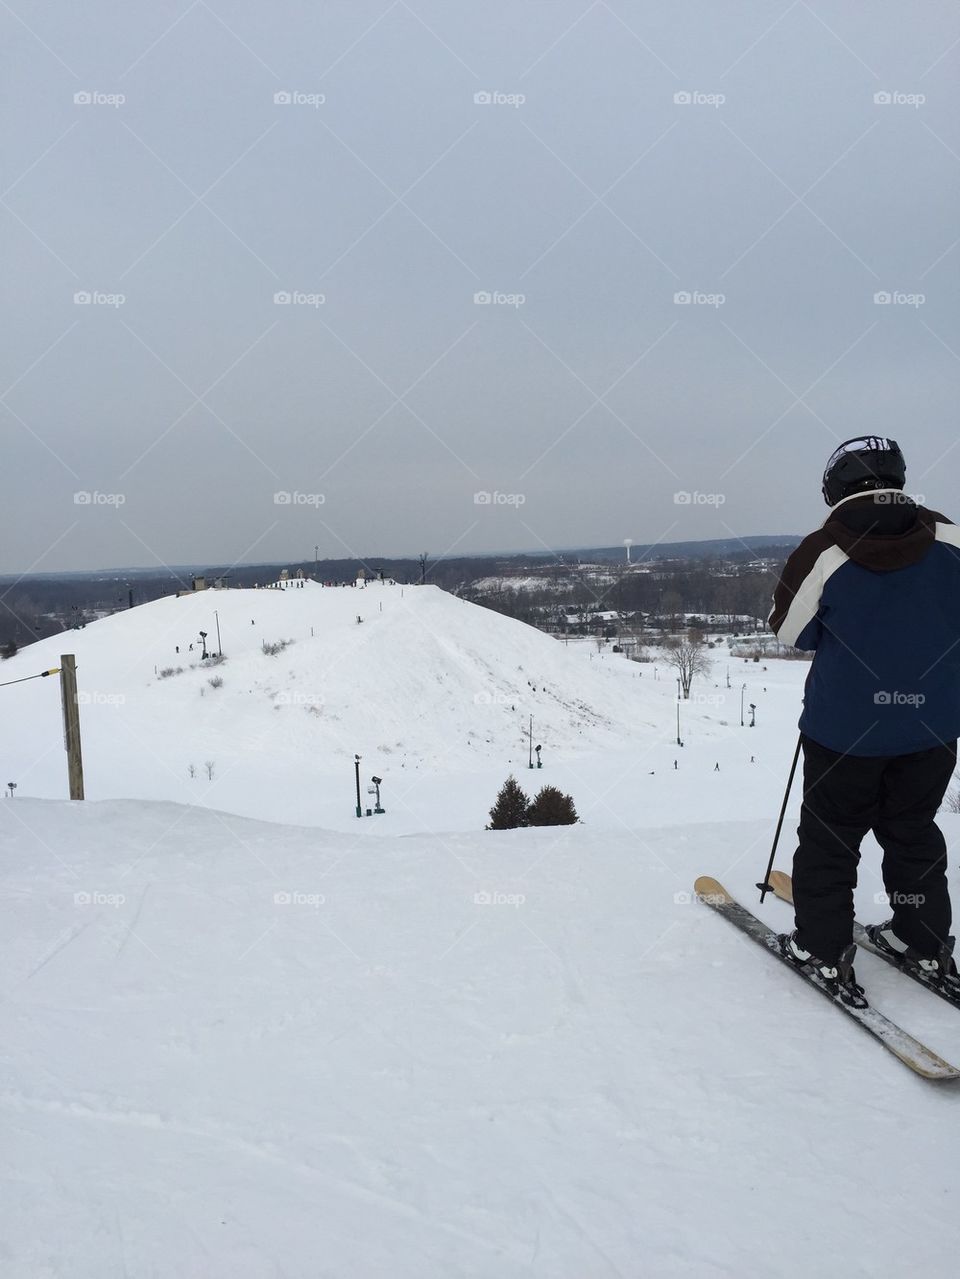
(407, 1047)
(235, 1050)
(431, 691)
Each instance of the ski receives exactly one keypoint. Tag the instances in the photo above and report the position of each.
(921, 1059)
(782, 885)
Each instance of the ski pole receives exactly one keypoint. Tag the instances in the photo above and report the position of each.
(764, 884)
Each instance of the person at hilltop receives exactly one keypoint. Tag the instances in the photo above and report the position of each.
(875, 594)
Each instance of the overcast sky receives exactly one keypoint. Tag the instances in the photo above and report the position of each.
(149, 169)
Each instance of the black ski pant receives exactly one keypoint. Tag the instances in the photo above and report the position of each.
(895, 796)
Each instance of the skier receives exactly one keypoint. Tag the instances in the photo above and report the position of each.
(875, 593)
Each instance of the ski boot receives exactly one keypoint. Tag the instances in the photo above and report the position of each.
(940, 969)
(839, 977)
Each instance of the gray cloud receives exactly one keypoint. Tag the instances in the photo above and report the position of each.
(582, 187)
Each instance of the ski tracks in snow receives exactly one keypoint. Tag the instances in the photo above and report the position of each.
(59, 945)
(131, 928)
(261, 1150)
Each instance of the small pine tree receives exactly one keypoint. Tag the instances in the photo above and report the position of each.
(510, 810)
(552, 808)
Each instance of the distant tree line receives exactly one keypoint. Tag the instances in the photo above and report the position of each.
(674, 593)
(35, 607)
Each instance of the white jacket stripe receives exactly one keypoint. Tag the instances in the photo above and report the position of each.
(949, 533)
(806, 601)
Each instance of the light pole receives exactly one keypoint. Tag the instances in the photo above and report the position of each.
(219, 645)
(357, 768)
(743, 689)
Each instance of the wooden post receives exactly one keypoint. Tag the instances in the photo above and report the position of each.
(71, 724)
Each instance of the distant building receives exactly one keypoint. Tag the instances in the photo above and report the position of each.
(200, 583)
(603, 617)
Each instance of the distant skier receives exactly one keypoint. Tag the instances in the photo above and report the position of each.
(876, 593)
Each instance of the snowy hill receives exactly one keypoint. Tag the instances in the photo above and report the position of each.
(431, 691)
(406, 1047)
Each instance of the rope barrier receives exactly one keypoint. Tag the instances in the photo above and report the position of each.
(43, 675)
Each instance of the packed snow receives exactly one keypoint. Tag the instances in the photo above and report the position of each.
(247, 1034)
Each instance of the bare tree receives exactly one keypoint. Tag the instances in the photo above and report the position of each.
(689, 657)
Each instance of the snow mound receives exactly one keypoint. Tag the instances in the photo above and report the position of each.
(407, 677)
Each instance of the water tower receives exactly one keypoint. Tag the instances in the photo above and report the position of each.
(628, 542)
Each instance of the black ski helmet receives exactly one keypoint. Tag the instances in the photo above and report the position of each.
(861, 464)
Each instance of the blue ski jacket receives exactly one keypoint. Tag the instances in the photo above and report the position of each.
(875, 593)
